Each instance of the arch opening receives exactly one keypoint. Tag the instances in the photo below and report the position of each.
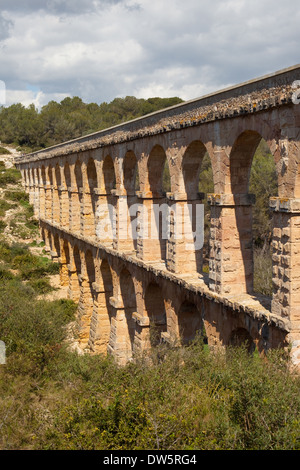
(92, 175)
(241, 337)
(156, 312)
(159, 183)
(43, 175)
(190, 323)
(206, 186)
(109, 174)
(78, 174)
(263, 183)
(67, 175)
(253, 171)
(130, 169)
(64, 263)
(107, 285)
(77, 260)
(131, 185)
(57, 176)
(50, 175)
(90, 267)
(129, 305)
(101, 322)
(157, 168)
(57, 245)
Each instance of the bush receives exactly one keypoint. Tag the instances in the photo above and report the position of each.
(17, 196)
(262, 279)
(31, 266)
(30, 327)
(5, 206)
(40, 286)
(9, 176)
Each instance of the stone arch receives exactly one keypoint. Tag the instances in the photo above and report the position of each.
(64, 263)
(90, 202)
(75, 272)
(103, 311)
(32, 177)
(56, 193)
(155, 167)
(50, 175)
(188, 214)
(77, 259)
(109, 176)
(294, 168)
(128, 204)
(130, 171)
(86, 299)
(190, 322)
(43, 175)
(191, 167)
(240, 337)
(67, 175)
(48, 240)
(25, 173)
(106, 286)
(105, 216)
(78, 174)
(90, 266)
(155, 209)
(34, 192)
(65, 252)
(235, 216)
(128, 296)
(156, 312)
(241, 157)
(56, 246)
(43, 233)
(92, 174)
(57, 175)
(38, 177)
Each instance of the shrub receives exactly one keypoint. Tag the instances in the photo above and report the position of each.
(263, 271)
(5, 206)
(17, 196)
(9, 176)
(31, 327)
(40, 286)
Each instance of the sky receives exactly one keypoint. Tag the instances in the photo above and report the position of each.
(103, 49)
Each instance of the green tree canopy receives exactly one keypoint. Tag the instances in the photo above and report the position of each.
(69, 119)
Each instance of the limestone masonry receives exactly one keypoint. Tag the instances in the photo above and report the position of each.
(86, 195)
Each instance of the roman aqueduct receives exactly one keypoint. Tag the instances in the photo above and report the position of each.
(85, 192)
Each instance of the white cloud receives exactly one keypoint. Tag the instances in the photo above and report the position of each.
(27, 97)
(100, 49)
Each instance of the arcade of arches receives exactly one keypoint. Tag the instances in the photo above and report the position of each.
(96, 196)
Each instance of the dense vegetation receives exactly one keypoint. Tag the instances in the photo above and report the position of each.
(178, 398)
(57, 122)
